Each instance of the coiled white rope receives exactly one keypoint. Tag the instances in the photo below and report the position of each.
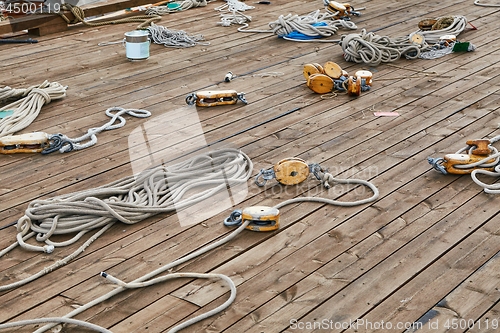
(28, 104)
(91, 138)
(455, 28)
(373, 49)
(135, 198)
(315, 24)
(173, 38)
(488, 188)
(231, 13)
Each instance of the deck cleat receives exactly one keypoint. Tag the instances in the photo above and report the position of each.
(214, 98)
(34, 142)
(462, 164)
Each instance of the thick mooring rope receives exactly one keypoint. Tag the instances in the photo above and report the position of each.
(181, 6)
(133, 199)
(373, 49)
(315, 24)
(89, 139)
(27, 105)
(79, 15)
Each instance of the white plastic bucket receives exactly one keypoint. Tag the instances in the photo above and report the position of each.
(137, 44)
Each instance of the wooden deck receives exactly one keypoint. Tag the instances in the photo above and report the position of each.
(426, 252)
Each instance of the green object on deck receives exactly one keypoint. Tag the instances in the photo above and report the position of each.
(6, 113)
(461, 47)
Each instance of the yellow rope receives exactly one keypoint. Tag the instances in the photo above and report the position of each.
(80, 17)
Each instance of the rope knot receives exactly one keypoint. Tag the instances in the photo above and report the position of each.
(42, 93)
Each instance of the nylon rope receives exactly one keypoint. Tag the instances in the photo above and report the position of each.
(27, 105)
(232, 13)
(79, 15)
(134, 198)
(174, 38)
(305, 24)
(91, 138)
(372, 49)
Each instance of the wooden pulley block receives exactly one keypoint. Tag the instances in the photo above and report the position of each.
(34, 142)
(451, 161)
(291, 171)
(426, 24)
(213, 98)
(353, 86)
(366, 75)
(416, 38)
(332, 69)
(336, 6)
(314, 68)
(320, 83)
(261, 218)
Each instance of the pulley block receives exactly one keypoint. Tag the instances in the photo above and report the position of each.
(214, 98)
(320, 83)
(24, 143)
(261, 218)
(341, 11)
(365, 77)
(291, 171)
(314, 68)
(329, 77)
(333, 70)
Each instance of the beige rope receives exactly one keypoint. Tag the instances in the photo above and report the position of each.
(28, 104)
(134, 198)
(79, 15)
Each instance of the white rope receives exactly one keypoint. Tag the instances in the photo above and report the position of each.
(135, 198)
(455, 28)
(28, 104)
(181, 6)
(315, 24)
(91, 138)
(55, 320)
(372, 49)
(488, 188)
(173, 38)
(477, 3)
(231, 13)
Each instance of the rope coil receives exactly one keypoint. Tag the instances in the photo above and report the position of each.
(373, 49)
(28, 104)
(135, 198)
(314, 24)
